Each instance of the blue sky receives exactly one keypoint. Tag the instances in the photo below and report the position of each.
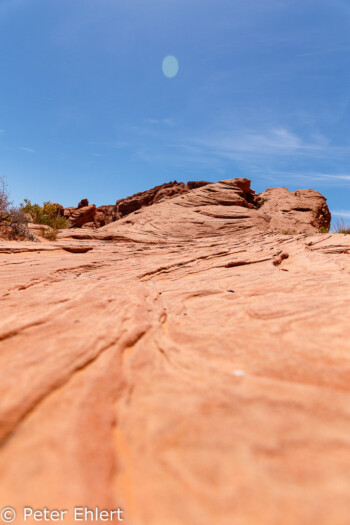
(263, 91)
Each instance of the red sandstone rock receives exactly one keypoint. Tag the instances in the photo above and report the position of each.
(60, 208)
(83, 203)
(105, 215)
(193, 184)
(301, 211)
(149, 197)
(68, 211)
(109, 213)
(175, 371)
(81, 216)
(154, 195)
(86, 218)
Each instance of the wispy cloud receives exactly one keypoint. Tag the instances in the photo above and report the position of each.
(164, 121)
(344, 49)
(341, 213)
(306, 174)
(329, 176)
(2, 131)
(188, 159)
(279, 141)
(29, 150)
(112, 144)
(186, 147)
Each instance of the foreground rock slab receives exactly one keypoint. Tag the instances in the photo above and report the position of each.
(192, 368)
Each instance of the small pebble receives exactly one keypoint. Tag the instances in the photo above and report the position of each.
(239, 373)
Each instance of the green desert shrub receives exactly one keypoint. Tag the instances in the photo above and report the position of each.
(48, 214)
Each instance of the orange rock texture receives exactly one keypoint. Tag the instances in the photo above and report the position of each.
(189, 363)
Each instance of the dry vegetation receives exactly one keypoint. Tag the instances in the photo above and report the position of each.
(13, 219)
(341, 227)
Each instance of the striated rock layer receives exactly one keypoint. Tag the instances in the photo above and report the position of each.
(88, 216)
(191, 366)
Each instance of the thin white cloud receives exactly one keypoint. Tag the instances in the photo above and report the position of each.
(306, 174)
(164, 121)
(344, 49)
(2, 131)
(186, 147)
(341, 213)
(329, 176)
(152, 121)
(29, 150)
(278, 141)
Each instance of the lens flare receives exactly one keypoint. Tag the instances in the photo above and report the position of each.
(170, 66)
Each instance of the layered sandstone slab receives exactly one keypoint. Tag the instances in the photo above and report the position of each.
(192, 368)
(88, 216)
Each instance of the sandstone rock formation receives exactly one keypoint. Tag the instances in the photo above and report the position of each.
(83, 203)
(191, 367)
(105, 215)
(85, 216)
(157, 194)
(303, 209)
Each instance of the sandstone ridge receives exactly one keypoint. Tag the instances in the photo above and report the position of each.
(88, 216)
(209, 208)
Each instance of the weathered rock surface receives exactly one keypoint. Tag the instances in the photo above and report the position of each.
(105, 215)
(302, 210)
(157, 194)
(85, 216)
(192, 368)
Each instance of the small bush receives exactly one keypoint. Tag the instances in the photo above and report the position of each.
(260, 202)
(323, 229)
(13, 220)
(341, 227)
(49, 235)
(48, 214)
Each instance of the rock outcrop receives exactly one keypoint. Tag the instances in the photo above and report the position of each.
(105, 215)
(225, 206)
(154, 195)
(191, 367)
(86, 216)
(82, 216)
(303, 210)
(89, 216)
